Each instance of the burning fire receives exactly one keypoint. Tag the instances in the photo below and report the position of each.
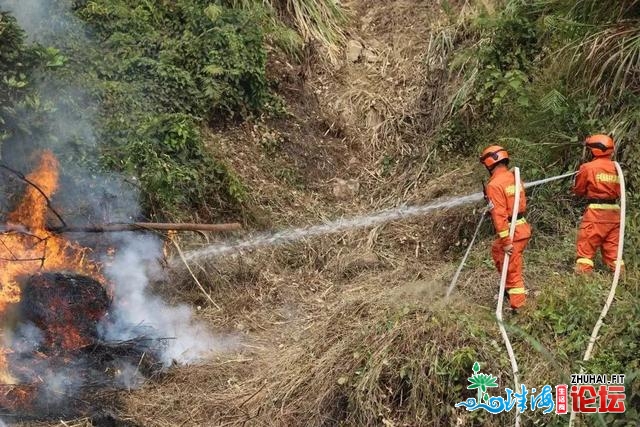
(28, 248)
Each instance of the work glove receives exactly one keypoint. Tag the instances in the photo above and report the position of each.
(508, 249)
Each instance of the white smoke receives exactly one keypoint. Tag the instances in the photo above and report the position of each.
(135, 262)
(35, 18)
(60, 385)
(29, 13)
(109, 199)
(128, 375)
(25, 339)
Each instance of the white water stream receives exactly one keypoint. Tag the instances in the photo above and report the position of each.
(344, 224)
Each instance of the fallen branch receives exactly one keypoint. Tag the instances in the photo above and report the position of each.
(137, 226)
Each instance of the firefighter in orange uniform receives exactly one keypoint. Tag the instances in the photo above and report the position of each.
(598, 182)
(500, 192)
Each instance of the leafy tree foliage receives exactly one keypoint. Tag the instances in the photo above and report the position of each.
(167, 68)
(18, 63)
(137, 82)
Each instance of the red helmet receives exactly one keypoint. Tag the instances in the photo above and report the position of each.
(600, 145)
(492, 155)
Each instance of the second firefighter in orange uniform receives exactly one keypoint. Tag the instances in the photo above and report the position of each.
(500, 192)
(598, 182)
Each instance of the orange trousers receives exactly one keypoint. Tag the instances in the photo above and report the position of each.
(515, 281)
(594, 235)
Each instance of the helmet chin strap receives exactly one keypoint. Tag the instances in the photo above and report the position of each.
(495, 166)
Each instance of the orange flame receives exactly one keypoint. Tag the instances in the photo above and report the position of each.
(30, 248)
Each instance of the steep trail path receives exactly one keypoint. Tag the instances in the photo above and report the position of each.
(348, 147)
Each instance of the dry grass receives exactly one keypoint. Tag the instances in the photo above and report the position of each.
(384, 349)
(300, 312)
(320, 22)
(377, 354)
(377, 96)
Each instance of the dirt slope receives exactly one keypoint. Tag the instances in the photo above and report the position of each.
(352, 143)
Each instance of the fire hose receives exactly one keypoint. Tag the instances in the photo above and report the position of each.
(505, 266)
(616, 277)
(466, 254)
(612, 291)
(503, 281)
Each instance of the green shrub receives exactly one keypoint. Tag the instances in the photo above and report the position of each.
(18, 64)
(191, 56)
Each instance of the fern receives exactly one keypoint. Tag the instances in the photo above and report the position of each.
(554, 102)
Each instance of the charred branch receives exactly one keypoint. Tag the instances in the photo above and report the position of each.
(152, 226)
(22, 177)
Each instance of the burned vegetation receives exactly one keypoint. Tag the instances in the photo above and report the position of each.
(58, 364)
(55, 307)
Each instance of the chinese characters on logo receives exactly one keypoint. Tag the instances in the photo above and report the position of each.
(587, 394)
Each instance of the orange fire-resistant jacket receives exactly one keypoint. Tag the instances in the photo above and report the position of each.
(501, 191)
(598, 182)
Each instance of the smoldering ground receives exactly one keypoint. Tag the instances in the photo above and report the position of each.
(88, 194)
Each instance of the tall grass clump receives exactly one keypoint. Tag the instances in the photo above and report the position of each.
(315, 21)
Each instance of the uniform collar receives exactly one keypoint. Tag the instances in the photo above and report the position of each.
(499, 170)
(602, 159)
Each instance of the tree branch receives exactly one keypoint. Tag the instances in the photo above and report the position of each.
(31, 183)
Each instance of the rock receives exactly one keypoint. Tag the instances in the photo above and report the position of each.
(376, 45)
(345, 189)
(367, 260)
(373, 118)
(370, 56)
(354, 50)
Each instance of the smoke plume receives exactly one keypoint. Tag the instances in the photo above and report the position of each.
(103, 198)
(135, 263)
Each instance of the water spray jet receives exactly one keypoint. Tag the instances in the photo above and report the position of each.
(345, 224)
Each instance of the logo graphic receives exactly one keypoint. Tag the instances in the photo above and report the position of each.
(482, 382)
(589, 394)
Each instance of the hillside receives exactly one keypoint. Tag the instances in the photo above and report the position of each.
(289, 114)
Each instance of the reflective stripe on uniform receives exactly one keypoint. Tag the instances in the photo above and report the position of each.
(615, 261)
(586, 261)
(505, 233)
(607, 177)
(515, 291)
(603, 206)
